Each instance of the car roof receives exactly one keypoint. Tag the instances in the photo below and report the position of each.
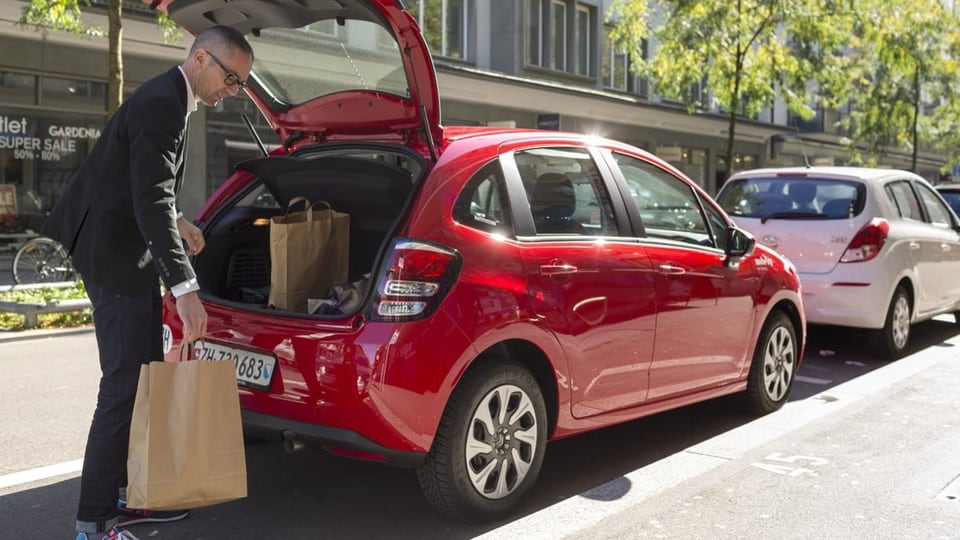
(859, 173)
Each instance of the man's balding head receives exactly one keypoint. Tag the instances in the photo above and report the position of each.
(223, 40)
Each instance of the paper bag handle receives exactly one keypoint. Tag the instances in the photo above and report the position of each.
(308, 206)
(190, 350)
(300, 198)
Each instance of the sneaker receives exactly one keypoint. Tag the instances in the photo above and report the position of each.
(113, 534)
(131, 516)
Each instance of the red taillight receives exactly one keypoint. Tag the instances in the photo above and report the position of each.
(416, 278)
(868, 242)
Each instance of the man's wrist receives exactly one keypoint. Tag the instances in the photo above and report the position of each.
(185, 287)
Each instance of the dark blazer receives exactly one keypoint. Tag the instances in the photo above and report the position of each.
(117, 216)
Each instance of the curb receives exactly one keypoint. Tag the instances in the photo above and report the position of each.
(26, 335)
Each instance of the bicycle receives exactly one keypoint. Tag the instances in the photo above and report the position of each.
(42, 260)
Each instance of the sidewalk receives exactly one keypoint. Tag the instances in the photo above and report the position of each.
(873, 458)
(7, 336)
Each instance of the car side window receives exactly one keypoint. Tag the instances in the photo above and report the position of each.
(566, 192)
(718, 225)
(904, 200)
(668, 206)
(938, 212)
(483, 203)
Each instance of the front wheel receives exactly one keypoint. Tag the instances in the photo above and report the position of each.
(774, 365)
(490, 443)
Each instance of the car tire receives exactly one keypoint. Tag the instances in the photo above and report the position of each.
(490, 443)
(891, 341)
(774, 365)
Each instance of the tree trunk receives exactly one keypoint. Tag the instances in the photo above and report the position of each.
(916, 117)
(115, 56)
(732, 125)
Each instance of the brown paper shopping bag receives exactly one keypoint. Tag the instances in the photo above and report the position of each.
(186, 438)
(309, 253)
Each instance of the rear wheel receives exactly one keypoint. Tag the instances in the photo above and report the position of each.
(890, 342)
(490, 444)
(775, 362)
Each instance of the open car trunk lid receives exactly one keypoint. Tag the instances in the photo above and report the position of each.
(331, 69)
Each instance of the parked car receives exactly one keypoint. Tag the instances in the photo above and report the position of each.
(951, 194)
(515, 286)
(875, 248)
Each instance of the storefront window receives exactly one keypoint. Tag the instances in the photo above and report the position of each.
(692, 161)
(17, 88)
(73, 94)
(39, 153)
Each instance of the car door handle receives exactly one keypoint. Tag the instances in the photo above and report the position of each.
(914, 245)
(556, 269)
(671, 269)
(945, 247)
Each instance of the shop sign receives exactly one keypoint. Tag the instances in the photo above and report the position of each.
(58, 142)
(8, 202)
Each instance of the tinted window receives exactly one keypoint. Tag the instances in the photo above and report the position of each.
(483, 202)
(566, 192)
(953, 199)
(668, 206)
(904, 200)
(799, 197)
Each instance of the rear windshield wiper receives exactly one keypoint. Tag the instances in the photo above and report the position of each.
(791, 214)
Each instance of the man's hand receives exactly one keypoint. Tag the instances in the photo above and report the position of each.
(193, 315)
(192, 235)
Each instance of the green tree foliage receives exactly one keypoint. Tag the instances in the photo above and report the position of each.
(891, 66)
(900, 63)
(746, 52)
(66, 15)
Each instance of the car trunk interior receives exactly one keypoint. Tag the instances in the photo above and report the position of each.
(372, 187)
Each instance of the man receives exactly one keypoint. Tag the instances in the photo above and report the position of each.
(119, 221)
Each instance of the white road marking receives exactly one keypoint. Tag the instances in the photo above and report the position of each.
(811, 380)
(40, 473)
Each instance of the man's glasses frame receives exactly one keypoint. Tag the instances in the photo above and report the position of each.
(232, 79)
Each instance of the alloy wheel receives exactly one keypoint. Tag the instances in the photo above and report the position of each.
(501, 441)
(778, 363)
(900, 324)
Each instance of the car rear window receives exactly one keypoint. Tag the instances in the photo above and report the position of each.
(800, 197)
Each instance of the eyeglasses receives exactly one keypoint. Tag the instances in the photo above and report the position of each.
(231, 79)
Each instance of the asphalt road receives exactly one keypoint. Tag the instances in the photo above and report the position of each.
(49, 393)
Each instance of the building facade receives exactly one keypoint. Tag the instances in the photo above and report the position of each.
(523, 63)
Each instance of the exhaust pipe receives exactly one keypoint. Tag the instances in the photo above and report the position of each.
(292, 443)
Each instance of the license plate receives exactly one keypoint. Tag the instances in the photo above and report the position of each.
(253, 369)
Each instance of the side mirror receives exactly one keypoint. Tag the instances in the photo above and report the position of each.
(739, 244)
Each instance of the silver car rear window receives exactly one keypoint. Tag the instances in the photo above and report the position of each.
(800, 197)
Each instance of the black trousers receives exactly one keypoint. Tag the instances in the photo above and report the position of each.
(128, 329)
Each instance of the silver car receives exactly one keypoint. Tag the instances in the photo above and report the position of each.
(875, 248)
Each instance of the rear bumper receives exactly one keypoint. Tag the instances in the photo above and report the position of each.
(342, 442)
(833, 299)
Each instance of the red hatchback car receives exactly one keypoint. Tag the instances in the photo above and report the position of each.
(511, 286)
